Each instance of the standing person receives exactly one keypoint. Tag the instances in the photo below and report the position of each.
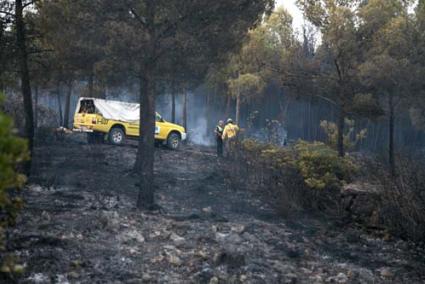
(219, 137)
(230, 133)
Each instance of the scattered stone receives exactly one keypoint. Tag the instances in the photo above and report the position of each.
(175, 260)
(73, 275)
(386, 273)
(39, 278)
(177, 239)
(207, 210)
(340, 278)
(238, 229)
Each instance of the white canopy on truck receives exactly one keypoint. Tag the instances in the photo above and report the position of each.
(115, 110)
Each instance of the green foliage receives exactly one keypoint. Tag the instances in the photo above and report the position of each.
(316, 163)
(351, 138)
(246, 86)
(321, 167)
(13, 151)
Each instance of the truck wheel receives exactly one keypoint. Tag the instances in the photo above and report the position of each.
(116, 136)
(173, 141)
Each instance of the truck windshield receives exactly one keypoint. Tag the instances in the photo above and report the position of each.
(158, 117)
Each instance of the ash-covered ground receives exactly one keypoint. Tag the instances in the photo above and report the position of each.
(80, 225)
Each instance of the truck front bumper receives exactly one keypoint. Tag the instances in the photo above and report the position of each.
(184, 136)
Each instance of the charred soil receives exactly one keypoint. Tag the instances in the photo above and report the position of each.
(80, 225)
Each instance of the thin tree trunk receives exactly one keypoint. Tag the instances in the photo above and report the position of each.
(25, 78)
(391, 135)
(173, 102)
(67, 105)
(185, 110)
(146, 150)
(341, 126)
(208, 114)
(145, 153)
(58, 97)
(36, 107)
(238, 108)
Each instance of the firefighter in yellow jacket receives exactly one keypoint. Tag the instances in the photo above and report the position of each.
(230, 133)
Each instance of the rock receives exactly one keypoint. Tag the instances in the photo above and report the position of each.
(39, 278)
(177, 239)
(207, 210)
(213, 280)
(175, 260)
(202, 254)
(73, 275)
(386, 273)
(133, 235)
(231, 238)
(239, 229)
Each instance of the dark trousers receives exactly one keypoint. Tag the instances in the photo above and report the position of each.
(219, 147)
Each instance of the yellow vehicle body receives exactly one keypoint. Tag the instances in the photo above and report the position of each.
(91, 120)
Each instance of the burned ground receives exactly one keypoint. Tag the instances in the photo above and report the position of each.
(80, 225)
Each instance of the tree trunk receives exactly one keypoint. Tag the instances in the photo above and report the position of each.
(341, 126)
(173, 102)
(25, 78)
(146, 150)
(208, 115)
(391, 135)
(185, 110)
(145, 153)
(36, 107)
(238, 108)
(58, 96)
(67, 105)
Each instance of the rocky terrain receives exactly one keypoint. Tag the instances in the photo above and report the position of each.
(80, 225)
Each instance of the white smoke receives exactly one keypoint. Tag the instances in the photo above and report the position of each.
(198, 132)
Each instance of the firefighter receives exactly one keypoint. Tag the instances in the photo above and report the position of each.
(219, 137)
(229, 136)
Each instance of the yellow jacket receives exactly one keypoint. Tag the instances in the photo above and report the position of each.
(230, 131)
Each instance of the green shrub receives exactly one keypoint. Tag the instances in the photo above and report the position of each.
(305, 175)
(321, 167)
(318, 164)
(13, 151)
(351, 138)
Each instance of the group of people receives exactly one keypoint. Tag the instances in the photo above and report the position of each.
(226, 135)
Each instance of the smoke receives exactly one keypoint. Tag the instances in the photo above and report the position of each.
(198, 127)
(197, 132)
